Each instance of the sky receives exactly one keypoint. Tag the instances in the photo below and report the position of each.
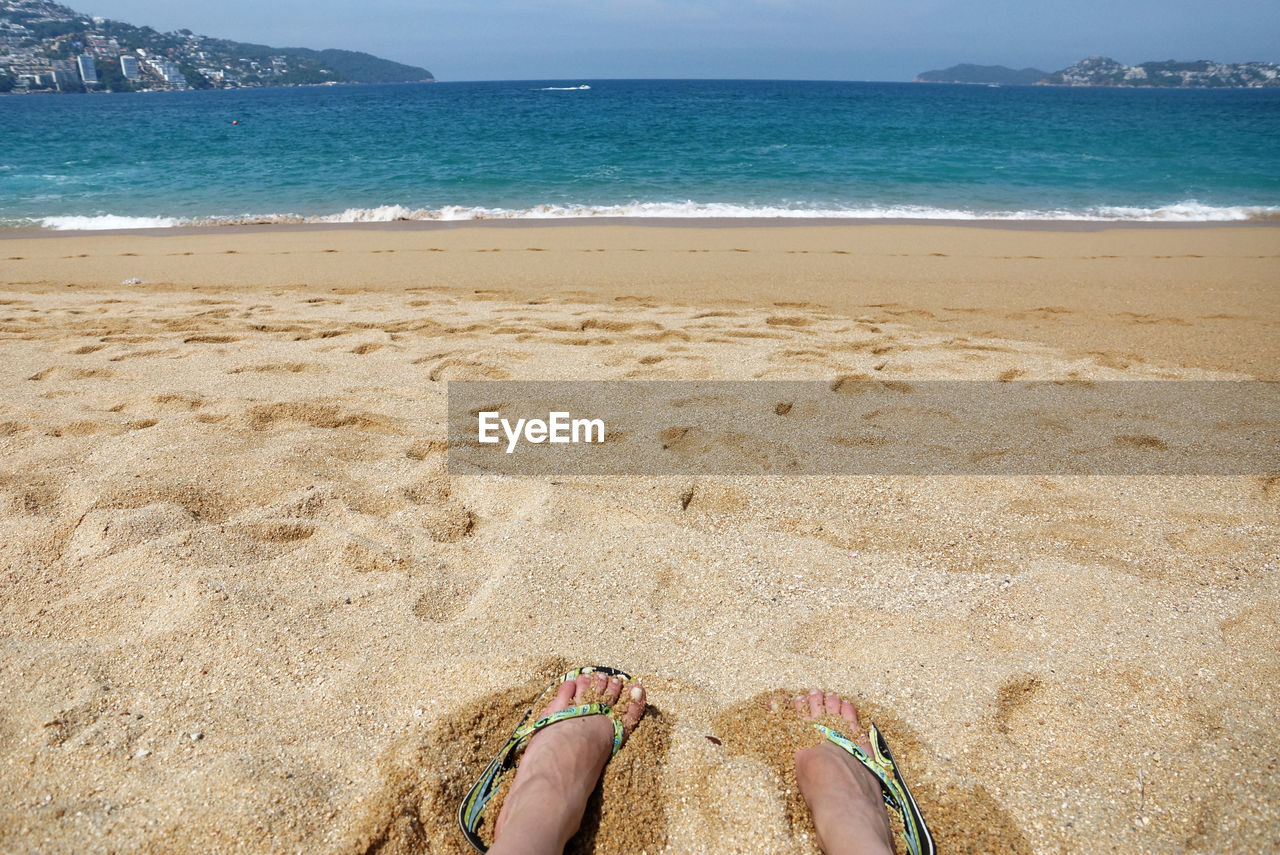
(774, 39)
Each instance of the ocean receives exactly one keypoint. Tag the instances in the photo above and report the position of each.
(638, 148)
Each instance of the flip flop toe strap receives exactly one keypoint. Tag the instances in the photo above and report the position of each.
(892, 786)
(578, 712)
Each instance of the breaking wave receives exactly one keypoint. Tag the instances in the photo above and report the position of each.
(1181, 212)
(108, 221)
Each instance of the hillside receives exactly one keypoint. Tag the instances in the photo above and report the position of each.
(1170, 74)
(1104, 71)
(49, 47)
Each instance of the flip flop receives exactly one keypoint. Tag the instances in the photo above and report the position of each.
(471, 811)
(897, 797)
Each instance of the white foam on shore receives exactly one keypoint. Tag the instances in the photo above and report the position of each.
(108, 221)
(1182, 212)
(1185, 212)
(1190, 212)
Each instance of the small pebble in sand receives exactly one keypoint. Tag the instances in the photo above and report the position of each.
(132, 280)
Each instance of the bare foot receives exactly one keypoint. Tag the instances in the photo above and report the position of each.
(843, 796)
(561, 766)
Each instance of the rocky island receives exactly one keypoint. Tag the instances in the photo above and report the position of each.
(983, 74)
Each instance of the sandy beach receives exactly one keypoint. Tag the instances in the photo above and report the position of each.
(246, 606)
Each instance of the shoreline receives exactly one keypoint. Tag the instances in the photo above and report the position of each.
(1199, 295)
(1045, 225)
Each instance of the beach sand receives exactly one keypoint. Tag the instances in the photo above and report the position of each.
(246, 607)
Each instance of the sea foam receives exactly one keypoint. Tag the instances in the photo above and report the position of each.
(108, 221)
(1188, 211)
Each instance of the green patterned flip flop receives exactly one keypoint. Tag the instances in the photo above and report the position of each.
(471, 811)
(896, 795)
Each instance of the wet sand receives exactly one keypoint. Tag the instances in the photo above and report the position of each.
(247, 606)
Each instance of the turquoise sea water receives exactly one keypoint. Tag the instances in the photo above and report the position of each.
(638, 148)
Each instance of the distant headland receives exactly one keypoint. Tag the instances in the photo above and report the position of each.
(1104, 71)
(47, 47)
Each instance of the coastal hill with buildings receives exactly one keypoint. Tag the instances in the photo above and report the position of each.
(1104, 71)
(47, 47)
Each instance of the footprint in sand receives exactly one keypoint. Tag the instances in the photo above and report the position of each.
(1140, 441)
(443, 517)
(280, 531)
(277, 368)
(788, 321)
(317, 414)
(80, 428)
(177, 402)
(458, 368)
(60, 372)
(205, 503)
(445, 594)
(1013, 698)
(211, 338)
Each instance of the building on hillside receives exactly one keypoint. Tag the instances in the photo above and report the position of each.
(129, 67)
(64, 74)
(169, 72)
(88, 71)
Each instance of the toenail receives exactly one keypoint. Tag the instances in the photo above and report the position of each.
(637, 693)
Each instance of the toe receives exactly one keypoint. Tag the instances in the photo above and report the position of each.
(611, 691)
(817, 702)
(832, 704)
(562, 700)
(635, 706)
(582, 686)
(801, 704)
(849, 713)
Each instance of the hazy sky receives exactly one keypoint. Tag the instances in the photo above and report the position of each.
(782, 39)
